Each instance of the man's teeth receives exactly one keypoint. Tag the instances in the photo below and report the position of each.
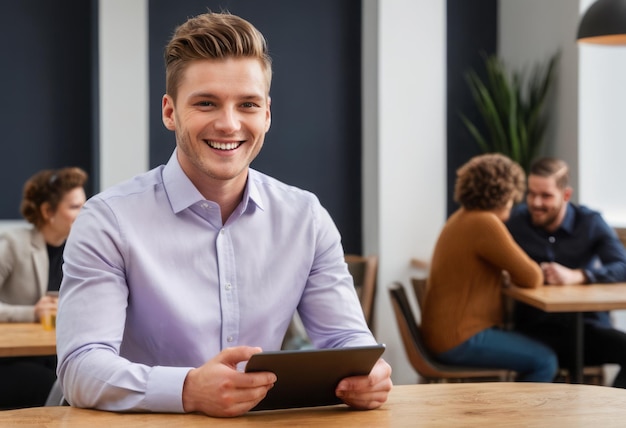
(223, 146)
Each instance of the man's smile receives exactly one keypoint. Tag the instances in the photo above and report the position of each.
(224, 146)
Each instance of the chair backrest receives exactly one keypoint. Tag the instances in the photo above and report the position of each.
(418, 354)
(364, 271)
(419, 288)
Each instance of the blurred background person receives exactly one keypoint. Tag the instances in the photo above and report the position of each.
(463, 311)
(31, 260)
(574, 245)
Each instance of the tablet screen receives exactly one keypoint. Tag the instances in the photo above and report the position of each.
(307, 378)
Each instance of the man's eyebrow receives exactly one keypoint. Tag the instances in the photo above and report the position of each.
(202, 95)
(212, 95)
(251, 97)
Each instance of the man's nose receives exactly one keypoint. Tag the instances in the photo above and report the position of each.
(228, 120)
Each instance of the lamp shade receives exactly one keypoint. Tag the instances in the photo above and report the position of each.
(604, 23)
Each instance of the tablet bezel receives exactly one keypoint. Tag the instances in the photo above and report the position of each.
(308, 377)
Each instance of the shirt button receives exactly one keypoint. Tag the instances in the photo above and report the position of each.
(221, 231)
(229, 339)
(205, 205)
(552, 239)
(228, 286)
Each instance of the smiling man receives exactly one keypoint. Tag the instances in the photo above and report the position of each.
(573, 245)
(174, 278)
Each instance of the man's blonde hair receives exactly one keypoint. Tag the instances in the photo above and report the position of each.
(213, 36)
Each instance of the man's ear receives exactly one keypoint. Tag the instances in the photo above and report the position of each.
(268, 118)
(167, 112)
(567, 193)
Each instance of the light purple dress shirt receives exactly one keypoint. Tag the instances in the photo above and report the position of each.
(154, 285)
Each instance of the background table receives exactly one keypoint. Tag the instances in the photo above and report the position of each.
(575, 299)
(572, 298)
(26, 339)
(433, 405)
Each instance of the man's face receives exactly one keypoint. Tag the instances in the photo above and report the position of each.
(547, 203)
(221, 115)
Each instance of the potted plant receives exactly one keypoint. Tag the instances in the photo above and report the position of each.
(512, 109)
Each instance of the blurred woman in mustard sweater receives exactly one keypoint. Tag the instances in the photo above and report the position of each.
(462, 312)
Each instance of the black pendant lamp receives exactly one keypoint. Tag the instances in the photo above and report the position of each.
(604, 23)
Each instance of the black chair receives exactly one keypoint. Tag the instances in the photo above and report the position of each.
(429, 369)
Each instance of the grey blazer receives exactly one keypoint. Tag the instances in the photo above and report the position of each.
(23, 273)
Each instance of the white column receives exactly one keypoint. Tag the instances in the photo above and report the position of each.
(123, 87)
(405, 151)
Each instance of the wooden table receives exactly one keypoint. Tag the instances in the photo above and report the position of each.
(575, 299)
(26, 339)
(433, 405)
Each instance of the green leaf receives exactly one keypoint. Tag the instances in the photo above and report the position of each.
(512, 108)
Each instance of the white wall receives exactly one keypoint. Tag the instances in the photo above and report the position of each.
(530, 32)
(405, 191)
(602, 128)
(123, 56)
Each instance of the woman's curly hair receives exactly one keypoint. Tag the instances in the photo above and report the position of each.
(48, 186)
(488, 182)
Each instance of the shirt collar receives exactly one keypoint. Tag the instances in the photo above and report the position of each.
(182, 193)
(252, 192)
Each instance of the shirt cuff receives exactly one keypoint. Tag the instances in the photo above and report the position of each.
(165, 389)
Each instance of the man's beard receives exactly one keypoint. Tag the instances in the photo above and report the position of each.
(547, 219)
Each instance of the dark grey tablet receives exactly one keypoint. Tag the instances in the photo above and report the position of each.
(308, 378)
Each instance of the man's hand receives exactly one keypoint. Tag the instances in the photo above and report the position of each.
(555, 273)
(217, 389)
(367, 392)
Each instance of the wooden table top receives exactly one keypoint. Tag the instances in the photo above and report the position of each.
(433, 405)
(572, 298)
(26, 339)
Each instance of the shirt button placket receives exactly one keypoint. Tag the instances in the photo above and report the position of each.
(551, 240)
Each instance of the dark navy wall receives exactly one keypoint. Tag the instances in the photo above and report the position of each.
(47, 98)
(49, 107)
(471, 31)
(315, 139)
